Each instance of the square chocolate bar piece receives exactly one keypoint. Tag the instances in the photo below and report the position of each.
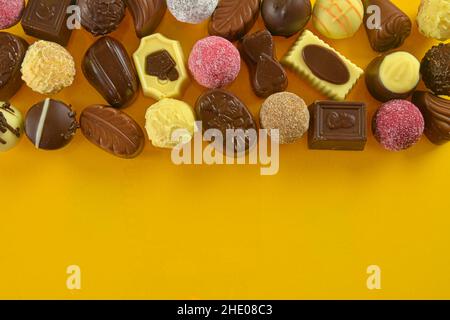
(47, 20)
(338, 126)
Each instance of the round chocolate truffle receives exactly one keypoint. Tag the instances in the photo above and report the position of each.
(214, 62)
(101, 17)
(285, 17)
(435, 69)
(434, 19)
(11, 126)
(192, 11)
(287, 113)
(10, 12)
(50, 124)
(398, 125)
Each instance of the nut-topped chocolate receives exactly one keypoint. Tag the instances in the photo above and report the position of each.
(395, 26)
(266, 73)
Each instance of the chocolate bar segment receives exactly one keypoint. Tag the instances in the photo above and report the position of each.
(47, 20)
(109, 69)
(338, 126)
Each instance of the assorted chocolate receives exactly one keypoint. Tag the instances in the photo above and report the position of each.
(50, 124)
(47, 20)
(147, 15)
(101, 17)
(266, 73)
(286, 18)
(112, 130)
(393, 76)
(338, 126)
(109, 69)
(232, 19)
(435, 69)
(12, 52)
(395, 26)
(11, 126)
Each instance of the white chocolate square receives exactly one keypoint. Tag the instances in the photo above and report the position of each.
(294, 60)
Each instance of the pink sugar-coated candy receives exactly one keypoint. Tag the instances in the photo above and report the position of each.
(214, 62)
(10, 12)
(398, 125)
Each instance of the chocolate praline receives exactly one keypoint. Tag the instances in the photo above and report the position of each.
(101, 17)
(286, 17)
(435, 69)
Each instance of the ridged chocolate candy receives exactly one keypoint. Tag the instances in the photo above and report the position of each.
(147, 15)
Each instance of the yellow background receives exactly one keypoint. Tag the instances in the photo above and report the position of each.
(145, 228)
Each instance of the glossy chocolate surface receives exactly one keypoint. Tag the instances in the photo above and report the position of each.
(101, 17)
(109, 69)
(147, 15)
(266, 73)
(286, 17)
(12, 52)
(338, 126)
(47, 20)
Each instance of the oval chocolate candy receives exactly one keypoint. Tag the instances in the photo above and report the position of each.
(147, 15)
(325, 64)
(109, 69)
(101, 17)
(112, 130)
(221, 110)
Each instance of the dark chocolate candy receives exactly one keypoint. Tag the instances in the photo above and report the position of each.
(232, 19)
(338, 126)
(101, 17)
(112, 130)
(266, 73)
(147, 15)
(110, 70)
(47, 20)
(435, 69)
(160, 64)
(12, 52)
(222, 110)
(286, 17)
(325, 64)
(394, 29)
(436, 112)
(50, 124)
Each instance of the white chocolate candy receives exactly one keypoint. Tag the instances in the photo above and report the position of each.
(11, 126)
(400, 72)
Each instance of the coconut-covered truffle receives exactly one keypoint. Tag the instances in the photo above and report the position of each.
(48, 67)
(398, 125)
(287, 113)
(434, 19)
(10, 12)
(435, 69)
(192, 11)
(214, 62)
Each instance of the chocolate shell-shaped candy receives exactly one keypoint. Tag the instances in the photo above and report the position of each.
(112, 130)
(147, 15)
(109, 69)
(101, 17)
(267, 74)
(221, 110)
(12, 52)
(395, 26)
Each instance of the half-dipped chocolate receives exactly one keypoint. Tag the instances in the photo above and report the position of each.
(109, 69)
(112, 130)
(50, 124)
(286, 17)
(101, 17)
(436, 112)
(12, 52)
(147, 15)
(393, 29)
(393, 76)
(267, 74)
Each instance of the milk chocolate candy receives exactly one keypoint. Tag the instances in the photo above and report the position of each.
(266, 73)
(286, 17)
(109, 69)
(436, 112)
(47, 20)
(112, 130)
(12, 52)
(393, 76)
(147, 15)
(101, 17)
(395, 25)
(221, 110)
(50, 124)
(338, 126)
(232, 19)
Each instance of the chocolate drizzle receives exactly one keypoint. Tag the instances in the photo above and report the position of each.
(4, 125)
